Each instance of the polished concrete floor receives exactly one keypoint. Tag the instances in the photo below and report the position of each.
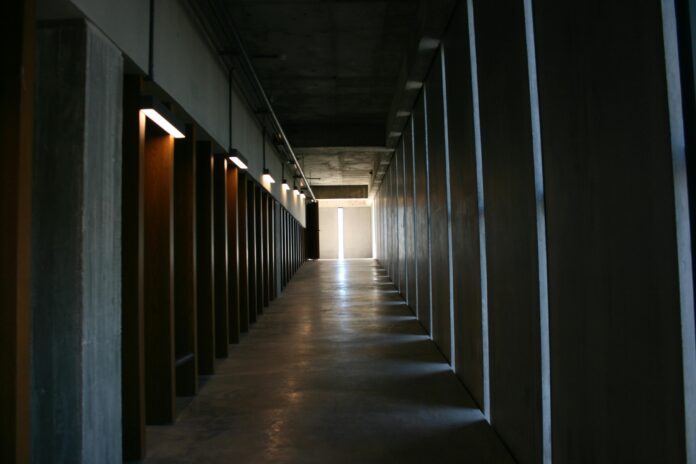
(336, 370)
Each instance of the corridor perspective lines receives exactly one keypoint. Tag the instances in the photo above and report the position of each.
(337, 370)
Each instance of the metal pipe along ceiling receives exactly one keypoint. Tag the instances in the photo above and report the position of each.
(245, 65)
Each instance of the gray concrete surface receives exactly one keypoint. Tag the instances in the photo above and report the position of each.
(328, 233)
(186, 72)
(338, 370)
(357, 228)
(76, 247)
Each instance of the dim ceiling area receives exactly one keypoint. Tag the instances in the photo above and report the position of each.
(332, 72)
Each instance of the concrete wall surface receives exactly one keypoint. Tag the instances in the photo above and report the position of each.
(76, 243)
(328, 233)
(357, 232)
(187, 69)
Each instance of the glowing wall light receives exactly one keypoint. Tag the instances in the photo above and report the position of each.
(162, 116)
(284, 185)
(237, 158)
(268, 177)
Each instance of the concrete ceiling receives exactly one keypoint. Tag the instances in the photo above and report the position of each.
(331, 69)
(341, 165)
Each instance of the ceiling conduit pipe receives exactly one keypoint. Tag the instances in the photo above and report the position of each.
(257, 83)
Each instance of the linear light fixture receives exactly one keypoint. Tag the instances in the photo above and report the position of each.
(162, 116)
(237, 158)
(284, 185)
(266, 172)
(268, 177)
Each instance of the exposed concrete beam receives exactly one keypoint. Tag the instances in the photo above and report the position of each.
(340, 191)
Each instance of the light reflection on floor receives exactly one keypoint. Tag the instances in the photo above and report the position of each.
(337, 370)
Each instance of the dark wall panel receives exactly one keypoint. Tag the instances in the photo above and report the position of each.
(271, 249)
(260, 257)
(409, 221)
(439, 220)
(399, 206)
(466, 265)
(185, 263)
(158, 276)
(220, 255)
(393, 225)
(511, 248)
(313, 231)
(132, 304)
(243, 252)
(422, 213)
(233, 252)
(266, 248)
(18, 24)
(616, 372)
(251, 249)
(205, 289)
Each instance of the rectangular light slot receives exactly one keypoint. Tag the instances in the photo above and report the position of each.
(340, 234)
(163, 123)
(238, 161)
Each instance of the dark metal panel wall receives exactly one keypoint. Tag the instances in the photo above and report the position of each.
(439, 217)
(582, 178)
(313, 231)
(16, 133)
(252, 249)
(409, 221)
(205, 299)
(511, 248)
(400, 229)
(233, 253)
(185, 264)
(132, 304)
(260, 257)
(220, 255)
(158, 276)
(243, 252)
(422, 212)
(265, 289)
(393, 225)
(466, 265)
(613, 283)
